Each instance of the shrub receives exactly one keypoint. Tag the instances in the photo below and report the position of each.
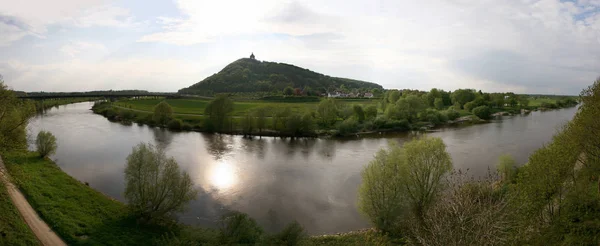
(239, 228)
(162, 113)
(293, 234)
(506, 167)
(186, 127)
(347, 126)
(371, 112)
(45, 143)
(469, 106)
(452, 114)
(175, 124)
(482, 112)
(155, 198)
(111, 113)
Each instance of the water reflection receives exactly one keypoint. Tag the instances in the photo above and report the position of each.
(275, 181)
(223, 175)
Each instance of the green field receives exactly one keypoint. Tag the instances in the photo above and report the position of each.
(76, 212)
(13, 231)
(197, 106)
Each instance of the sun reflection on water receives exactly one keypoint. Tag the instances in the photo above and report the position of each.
(223, 175)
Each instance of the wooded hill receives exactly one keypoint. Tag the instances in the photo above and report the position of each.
(251, 75)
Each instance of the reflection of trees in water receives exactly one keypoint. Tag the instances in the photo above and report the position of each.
(255, 145)
(162, 137)
(218, 145)
(327, 149)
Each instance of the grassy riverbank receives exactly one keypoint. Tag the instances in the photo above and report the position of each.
(76, 212)
(13, 230)
(84, 216)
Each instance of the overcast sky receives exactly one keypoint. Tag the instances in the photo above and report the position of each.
(524, 46)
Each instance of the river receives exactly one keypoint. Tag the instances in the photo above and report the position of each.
(275, 181)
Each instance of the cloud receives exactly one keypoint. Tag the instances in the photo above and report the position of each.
(33, 17)
(73, 49)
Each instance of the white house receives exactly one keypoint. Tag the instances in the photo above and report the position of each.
(368, 95)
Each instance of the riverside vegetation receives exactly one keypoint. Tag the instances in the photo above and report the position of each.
(410, 193)
(306, 116)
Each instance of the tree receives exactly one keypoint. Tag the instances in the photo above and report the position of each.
(371, 112)
(462, 96)
(45, 144)
(288, 91)
(439, 103)
(432, 96)
(218, 111)
(247, 124)
(359, 113)
(327, 111)
(394, 96)
(381, 196)
(162, 113)
(469, 106)
(402, 182)
(523, 101)
(482, 112)
(154, 185)
(427, 162)
(14, 116)
(261, 118)
(411, 106)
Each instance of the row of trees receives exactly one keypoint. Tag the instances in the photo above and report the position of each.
(410, 191)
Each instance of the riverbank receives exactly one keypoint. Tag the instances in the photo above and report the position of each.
(40, 229)
(13, 230)
(82, 215)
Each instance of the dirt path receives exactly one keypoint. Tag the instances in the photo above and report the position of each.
(41, 230)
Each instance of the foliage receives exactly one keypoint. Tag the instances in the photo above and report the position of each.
(327, 111)
(288, 91)
(451, 114)
(14, 116)
(469, 106)
(154, 185)
(424, 157)
(439, 103)
(175, 124)
(239, 228)
(462, 96)
(249, 75)
(248, 123)
(359, 113)
(45, 144)
(218, 110)
(261, 118)
(410, 107)
(293, 234)
(162, 113)
(380, 196)
(482, 112)
(347, 126)
(371, 112)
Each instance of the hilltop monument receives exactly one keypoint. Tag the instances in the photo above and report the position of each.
(252, 56)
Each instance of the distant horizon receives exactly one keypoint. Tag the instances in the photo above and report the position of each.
(547, 47)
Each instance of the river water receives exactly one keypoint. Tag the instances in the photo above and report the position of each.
(275, 181)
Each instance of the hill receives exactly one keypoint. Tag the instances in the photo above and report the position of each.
(250, 75)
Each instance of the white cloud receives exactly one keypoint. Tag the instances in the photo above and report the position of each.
(31, 17)
(73, 49)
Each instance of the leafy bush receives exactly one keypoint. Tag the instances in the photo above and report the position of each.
(482, 112)
(239, 228)
(156, 198)
(347, 126)
(163, 112)
(371, 112)
(452, 114)
(293, 234)
(45, 143)
(186, 127)
(175, 124)
(469, 106)
(111, 113)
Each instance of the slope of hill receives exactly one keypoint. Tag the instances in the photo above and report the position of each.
(250, 75)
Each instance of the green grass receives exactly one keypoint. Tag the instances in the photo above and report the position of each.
(197, 106)
(537, 101)
(77, 213)
(13, 230)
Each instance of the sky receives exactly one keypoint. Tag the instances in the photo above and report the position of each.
(523, 46)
